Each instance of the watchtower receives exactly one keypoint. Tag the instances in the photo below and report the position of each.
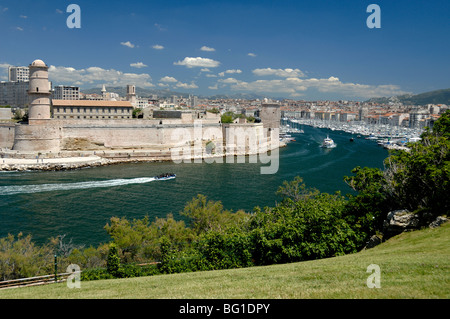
(270, 115)
(39, 92)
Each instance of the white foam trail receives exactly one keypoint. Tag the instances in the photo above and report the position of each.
(27, 189)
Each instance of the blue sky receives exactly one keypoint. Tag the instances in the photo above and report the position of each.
(308, 50)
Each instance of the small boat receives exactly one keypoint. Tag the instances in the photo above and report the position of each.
(165, 176)
(328, 143)
(351, 139)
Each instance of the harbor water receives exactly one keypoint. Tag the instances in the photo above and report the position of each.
(79, 203)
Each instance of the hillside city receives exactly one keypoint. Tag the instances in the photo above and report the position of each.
(13, 94)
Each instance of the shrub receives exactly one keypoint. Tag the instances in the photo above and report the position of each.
(113, 261)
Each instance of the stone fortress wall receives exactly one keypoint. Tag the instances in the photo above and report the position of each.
(155, 138)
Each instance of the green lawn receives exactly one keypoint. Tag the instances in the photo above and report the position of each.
(413, 265)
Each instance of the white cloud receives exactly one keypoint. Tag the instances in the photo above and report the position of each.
(93, 76)
(186, 86)
(229, 80)
(286, 73)
(230, 72)
(128, 44)
(23, 17)
(19, 28)
(211, 75)
(198, 62)
(207, 49)
(205, 70)
(295, 87)
(168, 79)
(138, 65)
(157, 47)
(251, 54)
(213, 87)
(233, 71)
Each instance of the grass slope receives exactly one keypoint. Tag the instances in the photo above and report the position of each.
(413, 265)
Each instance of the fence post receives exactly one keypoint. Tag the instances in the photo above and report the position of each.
(56, 268)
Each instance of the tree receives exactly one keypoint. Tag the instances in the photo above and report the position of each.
(420, 178)
(309, 228)
(20, 257)
(296, 190)
(227, 117)
(113, 261)
(137, 113)
(442, 125)
(417, 179)
(128, 236)
(207, 215)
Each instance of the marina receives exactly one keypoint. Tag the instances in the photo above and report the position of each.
(387, 136)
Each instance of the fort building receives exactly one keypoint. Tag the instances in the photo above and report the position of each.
(57, 126)
(91, 109)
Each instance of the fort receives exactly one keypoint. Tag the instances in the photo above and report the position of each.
(67, 132)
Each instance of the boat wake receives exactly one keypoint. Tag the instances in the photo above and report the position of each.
(37, 188)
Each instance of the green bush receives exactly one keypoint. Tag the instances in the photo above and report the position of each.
(113, 262)
(225, 250)
(311, 228)
(20, 257)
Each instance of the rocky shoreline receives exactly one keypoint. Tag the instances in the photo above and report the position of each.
(70, 165)
(15, 163)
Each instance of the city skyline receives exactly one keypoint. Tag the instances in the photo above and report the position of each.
(292, 49)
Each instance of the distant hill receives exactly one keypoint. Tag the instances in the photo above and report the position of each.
(143, 92)
(432, 97)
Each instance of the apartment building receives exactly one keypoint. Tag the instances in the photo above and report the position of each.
(63, 92)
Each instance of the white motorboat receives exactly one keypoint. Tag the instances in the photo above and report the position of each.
(328, 143)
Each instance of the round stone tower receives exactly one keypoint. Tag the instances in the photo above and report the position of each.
(40, 134)
(39, 92)
(270, 115)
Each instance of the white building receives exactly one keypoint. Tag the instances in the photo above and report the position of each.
(141, 103)
(63, 92)
(419, 118)
(18, 74)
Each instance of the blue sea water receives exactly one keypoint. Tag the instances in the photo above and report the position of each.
(79, 203)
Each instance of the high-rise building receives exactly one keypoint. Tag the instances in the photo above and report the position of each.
(193, 101)
(63, 92)
(18, 74)
(14, 94)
